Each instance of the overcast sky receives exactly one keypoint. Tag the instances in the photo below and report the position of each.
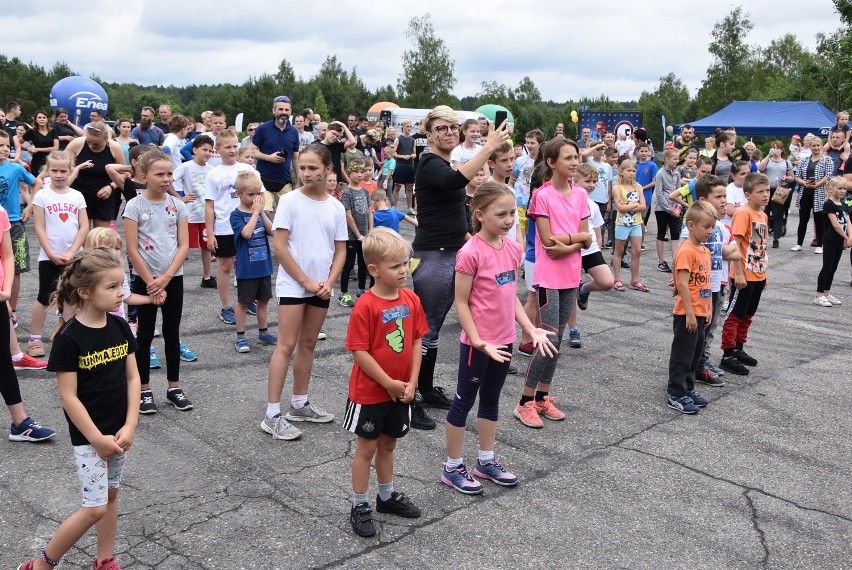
(570, 49)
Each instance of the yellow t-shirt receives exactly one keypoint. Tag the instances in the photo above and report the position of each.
(629, 195)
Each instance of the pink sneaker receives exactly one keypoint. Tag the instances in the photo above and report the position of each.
(528, 414)
(108, 564)
(28, 565)
(548, 410)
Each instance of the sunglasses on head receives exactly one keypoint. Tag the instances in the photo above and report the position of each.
(282, 99)
(94, 131)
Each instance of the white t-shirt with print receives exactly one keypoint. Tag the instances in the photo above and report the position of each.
(221, 188)
(735, 196)
(193, 178)
(61, 218)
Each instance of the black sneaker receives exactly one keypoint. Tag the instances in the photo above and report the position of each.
(179, 400)
(663, 267)
(734, 366)
(361, 519)
(398, 505)
(419, 419)
(436, 398)
(147, 404)
(574, 340)
(582, 300)
(209, 283)
(776, 244)
(743, 357)
(625, 264)
(512, 369)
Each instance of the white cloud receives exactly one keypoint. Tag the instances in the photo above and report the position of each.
(569, 49)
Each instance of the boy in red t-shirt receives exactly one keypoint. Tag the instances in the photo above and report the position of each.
(385, 332)
(692, 311)
(749, 227)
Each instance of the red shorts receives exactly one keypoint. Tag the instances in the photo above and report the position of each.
(197, 236)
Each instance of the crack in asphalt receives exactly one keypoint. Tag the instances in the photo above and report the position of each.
(756, 525)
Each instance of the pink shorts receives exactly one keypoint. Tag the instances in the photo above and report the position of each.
(197, 236)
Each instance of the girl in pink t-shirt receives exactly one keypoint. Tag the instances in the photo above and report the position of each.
(488, 307)
(561, 216)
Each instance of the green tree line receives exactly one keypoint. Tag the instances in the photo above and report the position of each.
(782, 70)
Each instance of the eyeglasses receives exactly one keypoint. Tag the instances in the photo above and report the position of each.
(442, 129)
(282, 99)
(251, 130)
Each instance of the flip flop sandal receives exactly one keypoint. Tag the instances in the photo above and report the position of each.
(618, 286)
(639, 286)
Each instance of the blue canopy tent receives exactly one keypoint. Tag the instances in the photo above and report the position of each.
(770, 119)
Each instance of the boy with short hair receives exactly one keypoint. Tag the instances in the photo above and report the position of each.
(750, 228)
(665, 182)
(384, 216)
(220, 199)
(843, 124)
(646, 174)
(251, 226)
(723, 251)
(522, 172)
(691, 314)
(12, 175)
(501, 162)
(384, 335)
(611, 158)
(193, 176)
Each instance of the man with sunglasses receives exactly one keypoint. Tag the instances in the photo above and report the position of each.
(276, 148)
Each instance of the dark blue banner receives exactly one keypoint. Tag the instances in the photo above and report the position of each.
(601, 122)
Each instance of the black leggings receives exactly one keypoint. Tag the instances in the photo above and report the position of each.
(435, 283)
(8, 379)
(831, 254)
(478, 374)
(778, 214)
(354, 249)
(147, 317)
(805, 206)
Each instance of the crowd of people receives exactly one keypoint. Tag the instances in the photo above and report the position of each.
(504, 234)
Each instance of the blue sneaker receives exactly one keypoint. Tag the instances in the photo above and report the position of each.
(155, 360)
(495, 472)
(697, 399)
(187, 355)
(267, 337)
(252, 309)
(460, 480)
(228, 316)
(684, 404)
(29, 430)
(241, 344)
(582, 298)
(715, 369)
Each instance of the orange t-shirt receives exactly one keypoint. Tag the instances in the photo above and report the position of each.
(751, 230)
(696, 260)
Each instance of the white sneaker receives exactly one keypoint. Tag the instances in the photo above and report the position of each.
(822, 301)
(818, 251)
(796, 247)
(833, 300)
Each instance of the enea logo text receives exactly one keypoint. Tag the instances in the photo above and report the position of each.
(84, 100)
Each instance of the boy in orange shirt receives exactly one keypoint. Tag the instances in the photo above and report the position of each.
(750, 229)
(692, 311)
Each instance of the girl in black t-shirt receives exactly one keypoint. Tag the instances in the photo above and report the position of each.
(837, 237)
(93, 357)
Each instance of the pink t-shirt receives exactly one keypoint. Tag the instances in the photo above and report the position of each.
(565, 214)
(495, 288)
(5, 226)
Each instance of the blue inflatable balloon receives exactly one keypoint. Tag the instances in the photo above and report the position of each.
(79, 95)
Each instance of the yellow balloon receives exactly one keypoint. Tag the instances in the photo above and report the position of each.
(574, 119)
(574, 116)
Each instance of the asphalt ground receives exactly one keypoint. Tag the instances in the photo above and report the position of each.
(760, 478)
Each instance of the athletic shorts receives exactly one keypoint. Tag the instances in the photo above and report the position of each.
(48, 276)
(371, 420)
(313, 301)
(225, 246)
(97, 476)
(197, 236)
(404, 173)
(624, 232)
(593, 260)
(251, 290)
(20, 247)
(529, 270)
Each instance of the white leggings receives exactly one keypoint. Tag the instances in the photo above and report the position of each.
(97, 475)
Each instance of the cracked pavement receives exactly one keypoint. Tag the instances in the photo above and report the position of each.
(760, 479)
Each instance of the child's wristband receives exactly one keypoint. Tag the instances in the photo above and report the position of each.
(570, 239)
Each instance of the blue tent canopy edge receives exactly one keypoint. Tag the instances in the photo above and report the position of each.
(769, 119)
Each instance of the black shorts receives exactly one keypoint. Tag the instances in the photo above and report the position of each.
(371, 420)
(48, 275)
(271, 185)
(593, 260)
(20, 247)
(251, 290)
(225, 246)
(403, 173)
(313, 301)
(667, 221)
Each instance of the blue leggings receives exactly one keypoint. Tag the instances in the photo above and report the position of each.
(478, 374)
